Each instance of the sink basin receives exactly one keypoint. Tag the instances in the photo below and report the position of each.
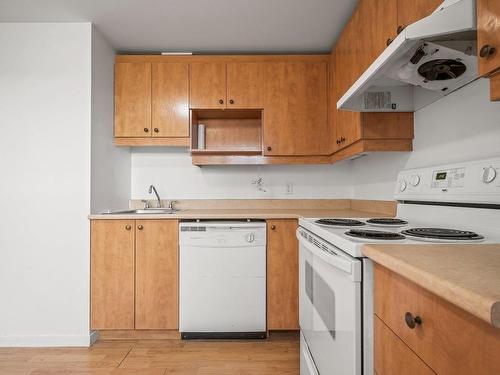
(145, 211)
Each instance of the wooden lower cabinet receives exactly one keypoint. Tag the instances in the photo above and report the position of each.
(112, 274)
(448, 339)
(156, 277)
(134, 274)
(282, 275)
(392, 356)
(495, 88)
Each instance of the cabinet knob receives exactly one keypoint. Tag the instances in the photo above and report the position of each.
(337, 141)
(487, 51)
(273, 227)
(342, 139)
(156, 130)
(399, 29)
(146, 130)
(231, 101)
(412, 321)
(269, 148)
(221, 101)
(140, 227)
(128, 227)
(389, 41)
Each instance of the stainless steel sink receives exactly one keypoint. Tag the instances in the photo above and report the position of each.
(145, 211)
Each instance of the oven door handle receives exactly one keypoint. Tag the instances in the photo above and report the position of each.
(351, 267)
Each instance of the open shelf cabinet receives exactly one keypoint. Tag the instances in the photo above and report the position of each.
(226, 132)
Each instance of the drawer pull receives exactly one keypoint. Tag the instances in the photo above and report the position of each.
(412, 321)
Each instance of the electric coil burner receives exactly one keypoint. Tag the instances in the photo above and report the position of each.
(367, 234)
(442, 234)
(340, 222)
(386, 221)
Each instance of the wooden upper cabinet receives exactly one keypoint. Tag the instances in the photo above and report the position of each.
(488, 35)
(410, 11)
(157, 285)
(244, 85)
(170, 100)
(374, 28)
(295, 115)
(132, 100)
(112, 274)
(207, 85)
(282, 275)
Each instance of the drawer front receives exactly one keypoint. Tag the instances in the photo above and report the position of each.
(392, 356)
(448, 339)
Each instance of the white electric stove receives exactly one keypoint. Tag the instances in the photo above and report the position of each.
(457, 204)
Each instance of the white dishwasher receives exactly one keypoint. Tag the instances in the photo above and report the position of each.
(222, 279)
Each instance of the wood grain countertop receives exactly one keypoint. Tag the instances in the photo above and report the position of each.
(466, 275)
(244, 213)
(264, 209)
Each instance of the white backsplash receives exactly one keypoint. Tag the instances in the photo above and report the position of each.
(175, 177)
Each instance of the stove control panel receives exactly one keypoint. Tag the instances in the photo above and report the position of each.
(471, 182)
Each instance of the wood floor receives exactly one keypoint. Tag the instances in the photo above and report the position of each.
(279, 355)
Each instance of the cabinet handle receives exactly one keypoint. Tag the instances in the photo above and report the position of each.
(273, 227)
(412, 321)
(140, 227)
(269, 148)
(231, 101)
(487, 51)
(146, 130)
(128, 227)
(389, 41)
(221, 101)
(156, 130)
(399, 29)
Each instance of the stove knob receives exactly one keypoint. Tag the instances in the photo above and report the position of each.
(415, 180)
(402, 185)
(250, 237)
(489, 174)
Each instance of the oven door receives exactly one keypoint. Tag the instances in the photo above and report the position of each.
(330, 306)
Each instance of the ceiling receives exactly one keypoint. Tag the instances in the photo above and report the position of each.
(200, 26)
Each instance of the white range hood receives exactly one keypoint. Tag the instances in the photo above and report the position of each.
(426, 61)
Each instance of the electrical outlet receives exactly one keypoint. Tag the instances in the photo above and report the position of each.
(289, 188)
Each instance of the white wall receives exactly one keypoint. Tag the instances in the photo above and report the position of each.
(173, 174)
(110, 180)
(45, 121)
(462, 126)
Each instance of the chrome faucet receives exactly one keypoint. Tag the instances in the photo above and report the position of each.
(151, 189)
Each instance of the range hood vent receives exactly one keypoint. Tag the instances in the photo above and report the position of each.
(426, 61)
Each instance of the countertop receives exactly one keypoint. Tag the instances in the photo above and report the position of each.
(244, 213)
(467, 276)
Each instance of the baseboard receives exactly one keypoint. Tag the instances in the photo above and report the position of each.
(48, 341)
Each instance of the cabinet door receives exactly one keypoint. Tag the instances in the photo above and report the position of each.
(157, 286)
(295, 109)
(132, 100)
(207, 85)
(410, 11)
(282, 275)
(376, 26)
(170, 100)
(488, 35)
(346, 125)
(112, 274)
(244, 85)
(392, 356)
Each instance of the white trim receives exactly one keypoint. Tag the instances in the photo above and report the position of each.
(49, 341)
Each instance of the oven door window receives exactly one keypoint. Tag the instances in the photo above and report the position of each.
(330, 316)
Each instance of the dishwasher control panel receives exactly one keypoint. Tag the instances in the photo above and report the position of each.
(222, 234)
